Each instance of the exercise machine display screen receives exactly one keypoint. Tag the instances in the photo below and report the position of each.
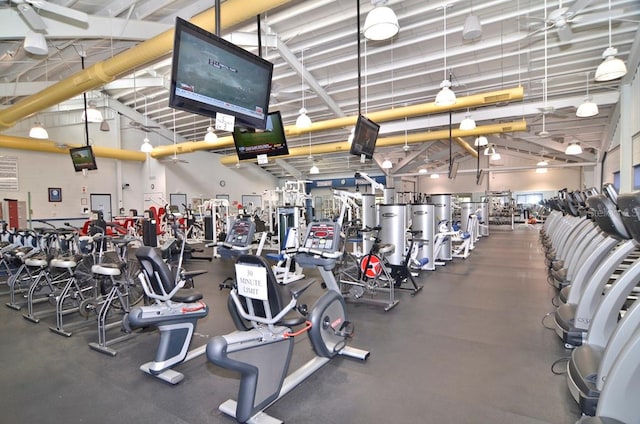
(321, 236)
(240, 234)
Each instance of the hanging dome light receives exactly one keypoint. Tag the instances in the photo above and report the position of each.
(434, 176)
(303, 120)
(146, 146)
(587, 109)
(445, 96)
(381, 22)
(210, 136)
(481, 141)
(541, 167)
(314, 170)
(386, 164)
(422, 171)
(38, 131)
(573, 149)
(467, 123)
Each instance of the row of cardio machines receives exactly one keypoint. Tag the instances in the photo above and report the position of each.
(592, 250)
(267, 317)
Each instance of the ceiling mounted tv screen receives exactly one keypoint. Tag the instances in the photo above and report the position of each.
(271, 142)
(365, 136)
(211, 75)
(83, 158)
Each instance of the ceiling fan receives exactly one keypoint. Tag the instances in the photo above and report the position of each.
(143, 127)
(562, 18)
(29, 10)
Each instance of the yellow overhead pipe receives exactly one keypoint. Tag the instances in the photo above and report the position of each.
(22, 143)
(233, 13)
(463, 143)
(343, 146)
(476, 100)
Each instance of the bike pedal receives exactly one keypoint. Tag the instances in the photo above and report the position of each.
(346, 329)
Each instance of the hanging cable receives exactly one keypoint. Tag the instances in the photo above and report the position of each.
(84, 97)
(359, 60)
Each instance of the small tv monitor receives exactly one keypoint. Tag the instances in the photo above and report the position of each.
(365, 136)
(271, 142)
(83, 158)
(211, 75)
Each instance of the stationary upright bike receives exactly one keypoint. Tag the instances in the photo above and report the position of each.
(262, 354)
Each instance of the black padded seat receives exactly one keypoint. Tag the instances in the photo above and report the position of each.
(160, 277)
(274, 294)
(583, 370)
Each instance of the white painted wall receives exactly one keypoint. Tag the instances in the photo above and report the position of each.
(128, 182)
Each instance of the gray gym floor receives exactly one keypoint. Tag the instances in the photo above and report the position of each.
(469, 348)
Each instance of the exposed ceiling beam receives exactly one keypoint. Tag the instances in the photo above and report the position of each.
(319, 91)
(289, 168)
(97, 28)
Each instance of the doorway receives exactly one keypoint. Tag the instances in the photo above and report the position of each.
(101, 202)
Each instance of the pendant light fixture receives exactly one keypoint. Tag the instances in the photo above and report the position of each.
(445, 96)
(611, 68)
(381, 22)
(92, 114)
(467, 123)
(38, 131)
(472, 28)
(146, 146)
(303, 120)
(588, 108)
(481, 141)
(210, 136)
(314, 170)
(573, 149)
(541, 166)
(387, 164)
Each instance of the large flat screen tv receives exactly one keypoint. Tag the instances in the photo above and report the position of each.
(83, 158)
(211, 75)
(365, 136)
(271, 142)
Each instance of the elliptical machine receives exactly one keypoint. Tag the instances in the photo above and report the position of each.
(263, 353)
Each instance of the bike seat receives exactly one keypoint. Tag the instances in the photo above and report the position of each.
(386, 248)
(107, 269)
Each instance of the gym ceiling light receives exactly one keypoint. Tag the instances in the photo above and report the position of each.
(92, 114)
(611, 68)
(573, 149)
(381, 22)
(445, 96)
(146, 146)
(38, 131)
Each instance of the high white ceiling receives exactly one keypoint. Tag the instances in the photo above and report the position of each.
(403, 71)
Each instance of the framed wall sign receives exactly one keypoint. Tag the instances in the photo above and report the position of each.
(55, 194)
